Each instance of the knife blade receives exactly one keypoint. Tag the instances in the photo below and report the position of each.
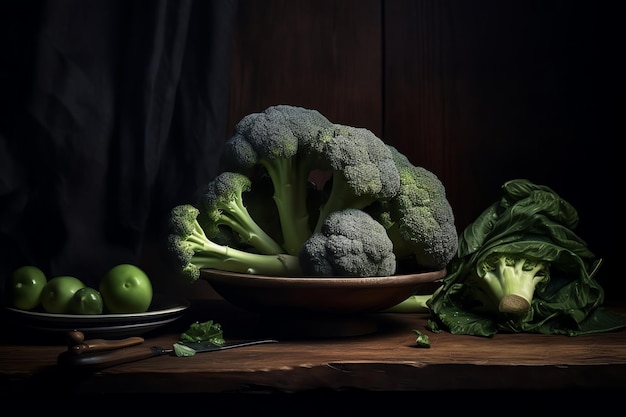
(200, 347)
(104, 359)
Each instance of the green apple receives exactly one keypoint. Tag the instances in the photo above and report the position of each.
(57, 293)
(126, 289)
(87, 300)
(25, 287)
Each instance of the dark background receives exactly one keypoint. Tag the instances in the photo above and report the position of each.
(478, 92)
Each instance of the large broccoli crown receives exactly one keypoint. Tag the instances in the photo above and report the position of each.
(272, 198)
(350, 243)
(419, 217)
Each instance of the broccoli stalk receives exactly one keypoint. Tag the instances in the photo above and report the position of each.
(289, 179)
(511, 281)
(192, 251)
(222, 203)
(416, 303)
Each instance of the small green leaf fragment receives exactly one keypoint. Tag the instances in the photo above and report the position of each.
(183, 350)
(422, 339)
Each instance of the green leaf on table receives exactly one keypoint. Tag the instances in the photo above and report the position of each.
(422, 339)
(207, 331)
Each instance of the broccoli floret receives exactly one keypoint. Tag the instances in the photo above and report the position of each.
(350, 243)
(222, 203)
(419, 218)
(192, 250)
(362, 167)
(508, 282)
(272, 139)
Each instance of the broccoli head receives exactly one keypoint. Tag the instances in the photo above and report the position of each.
(362, 167)
(221, 203)
(350, 243)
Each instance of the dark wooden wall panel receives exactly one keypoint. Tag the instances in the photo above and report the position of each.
(474, 93)
(420, 118)
(323, 54)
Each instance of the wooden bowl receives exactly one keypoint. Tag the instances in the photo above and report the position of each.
(317, 295)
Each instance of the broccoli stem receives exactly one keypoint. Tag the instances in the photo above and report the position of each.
(341, 197)
(215, 256)
(413, 304)
(513, 282)
(514, 304)
(239, 220)
(290, 180)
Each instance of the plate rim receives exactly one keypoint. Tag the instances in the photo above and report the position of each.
(179, 305)
(34, 324)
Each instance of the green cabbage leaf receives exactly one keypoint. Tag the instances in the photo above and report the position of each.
(534, 222)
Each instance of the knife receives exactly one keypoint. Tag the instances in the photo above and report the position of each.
(104, 359)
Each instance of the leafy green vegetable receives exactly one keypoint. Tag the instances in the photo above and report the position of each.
(523, 246)
(207, 331)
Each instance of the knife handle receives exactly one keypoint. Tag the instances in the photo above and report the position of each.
(96, 345)
(105, 359)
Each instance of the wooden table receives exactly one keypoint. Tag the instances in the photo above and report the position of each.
(385, 361)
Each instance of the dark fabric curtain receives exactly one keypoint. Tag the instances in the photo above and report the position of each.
(111, 113)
